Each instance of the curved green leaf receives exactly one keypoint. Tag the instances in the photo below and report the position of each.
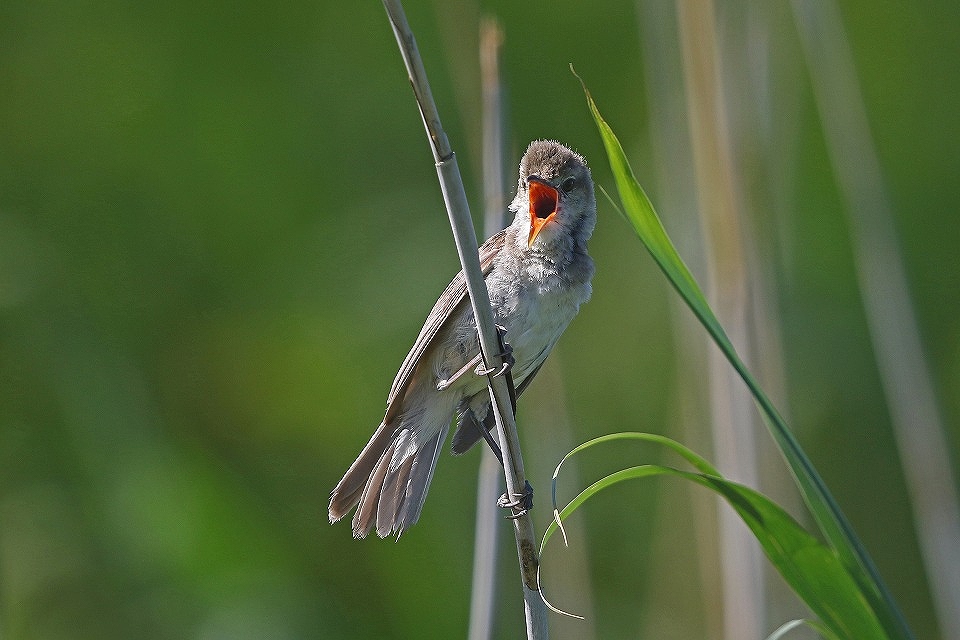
(813, 570)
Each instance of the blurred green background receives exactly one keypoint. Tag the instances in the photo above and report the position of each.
(220, 231)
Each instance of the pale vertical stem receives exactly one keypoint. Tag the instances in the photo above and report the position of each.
(904, 374)
(484, 588)
(461, 70)
(750, 49)
(465, 239)
(670, 142)
(731, 408)
(494, 205)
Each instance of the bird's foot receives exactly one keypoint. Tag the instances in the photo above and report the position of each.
(506, 355)
(519, 503)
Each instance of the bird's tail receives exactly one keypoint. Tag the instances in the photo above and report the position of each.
(388, 481)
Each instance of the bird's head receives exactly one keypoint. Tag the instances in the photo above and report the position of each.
(555, 197)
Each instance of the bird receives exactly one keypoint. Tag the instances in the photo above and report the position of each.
(538, 273)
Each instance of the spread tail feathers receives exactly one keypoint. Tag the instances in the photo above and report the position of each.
(390, 493)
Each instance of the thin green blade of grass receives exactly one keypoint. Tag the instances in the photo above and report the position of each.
(831, 520)
(812, 569)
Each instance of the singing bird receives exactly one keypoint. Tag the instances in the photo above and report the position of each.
(537, 273)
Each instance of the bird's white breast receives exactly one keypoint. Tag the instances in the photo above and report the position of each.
(542, 304)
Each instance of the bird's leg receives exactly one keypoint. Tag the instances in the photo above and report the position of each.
(488, 438)
(506, 352)
(519, 503)
(476, 363)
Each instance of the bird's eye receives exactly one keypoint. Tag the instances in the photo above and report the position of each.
(567, 185)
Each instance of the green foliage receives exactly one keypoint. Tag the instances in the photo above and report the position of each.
(220, 231)
(812, 569)
(642, 216)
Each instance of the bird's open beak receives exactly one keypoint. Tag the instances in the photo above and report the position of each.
(543, 206)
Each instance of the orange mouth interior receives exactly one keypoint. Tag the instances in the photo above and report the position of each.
(543, 207)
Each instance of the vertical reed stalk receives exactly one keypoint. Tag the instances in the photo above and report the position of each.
(461, 224)
(484, 588)
(905, 376)
(731, 408)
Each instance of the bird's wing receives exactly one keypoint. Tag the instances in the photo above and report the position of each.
(452, 296)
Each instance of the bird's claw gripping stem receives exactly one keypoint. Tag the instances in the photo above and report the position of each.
(506, 354)
(519, 503)
(508, 362)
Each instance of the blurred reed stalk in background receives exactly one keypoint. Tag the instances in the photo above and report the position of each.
(737, 275)
(904, 373)
(548, 424)
(720, 210)
(673, 168)
(484, 588)
(685, 75)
